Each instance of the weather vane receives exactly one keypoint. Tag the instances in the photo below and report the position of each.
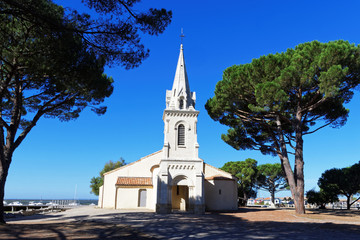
(182, 35)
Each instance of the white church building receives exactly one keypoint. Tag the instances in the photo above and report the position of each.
(174, 178)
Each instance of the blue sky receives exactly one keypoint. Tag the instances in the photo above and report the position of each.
(58, 156)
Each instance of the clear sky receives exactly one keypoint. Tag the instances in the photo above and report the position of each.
(56, 156)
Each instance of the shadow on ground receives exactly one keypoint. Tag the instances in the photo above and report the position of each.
(336, 212)
(71, 230)
(138, 225)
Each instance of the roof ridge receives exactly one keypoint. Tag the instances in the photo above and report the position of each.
(127, 165)
(220, 170)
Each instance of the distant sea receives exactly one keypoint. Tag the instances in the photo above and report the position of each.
(44, 201)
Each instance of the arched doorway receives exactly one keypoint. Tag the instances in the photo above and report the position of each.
(180, 193)
(180, 198)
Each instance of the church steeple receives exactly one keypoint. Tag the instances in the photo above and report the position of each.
(180, 117)
(180, 97)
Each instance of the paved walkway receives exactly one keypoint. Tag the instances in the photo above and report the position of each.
(277, 224)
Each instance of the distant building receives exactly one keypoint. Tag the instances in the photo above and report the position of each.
(267, 201)
(174, 178)
(250, 202)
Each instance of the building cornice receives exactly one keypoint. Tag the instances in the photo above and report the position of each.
(172, 160)
(180, 113)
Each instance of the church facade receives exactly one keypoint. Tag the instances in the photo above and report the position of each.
(174, 178)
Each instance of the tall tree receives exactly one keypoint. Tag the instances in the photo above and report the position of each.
(97, 182)
(246, 173)
(271, 178)
(52, 63)
(344, 181)
(271, 103)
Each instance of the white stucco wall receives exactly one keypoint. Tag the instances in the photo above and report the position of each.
(100, 196)
(220, 195)
(128, 198)
(140, 168)
(227, 200)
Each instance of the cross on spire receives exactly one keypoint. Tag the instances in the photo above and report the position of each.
(182, 35)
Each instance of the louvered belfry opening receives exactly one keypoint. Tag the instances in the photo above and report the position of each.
(181, 135)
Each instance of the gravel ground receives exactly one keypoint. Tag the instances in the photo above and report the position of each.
(247, 223)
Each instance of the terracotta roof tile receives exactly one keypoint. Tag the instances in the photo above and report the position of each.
(134, 181)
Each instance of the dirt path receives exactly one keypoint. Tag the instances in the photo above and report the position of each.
(247, 223)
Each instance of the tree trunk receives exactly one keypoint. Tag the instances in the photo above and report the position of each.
(296, 182)
(299, 189)
(299, 202)
(5, 161)
(273, 197)
(245, 199)
(3, 176)
(295, 178)
(299, 165)
(348, 202)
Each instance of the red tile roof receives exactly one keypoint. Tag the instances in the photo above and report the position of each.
(134, 181)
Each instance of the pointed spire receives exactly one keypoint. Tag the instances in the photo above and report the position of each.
(181, 97)
(181, 82)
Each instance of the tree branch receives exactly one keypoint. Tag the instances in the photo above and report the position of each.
(313, 106)
(40, 113)
(354, 201)
(319, 128)
(3, 123)
(290, 138)
(128, 9)
(15, 114)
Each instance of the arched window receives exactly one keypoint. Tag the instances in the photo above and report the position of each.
(181, 103)
(181, 135)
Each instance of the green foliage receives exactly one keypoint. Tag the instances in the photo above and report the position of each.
(271, 178)
(246, 172)
(114, 32)
(46, 73)
(344, 181)
(97, 182)
(316, 78)
(272, 102)
(321, 198)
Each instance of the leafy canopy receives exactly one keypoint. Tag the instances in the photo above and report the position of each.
(46, 73)
(97, 182)
(271, 177)
(114, 32)
(342, 181)
(321, 198)
(312, 82)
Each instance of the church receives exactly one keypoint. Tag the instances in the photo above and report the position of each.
(174, 178)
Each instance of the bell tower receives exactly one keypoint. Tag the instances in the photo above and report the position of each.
(180, 183)
(180, 117)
